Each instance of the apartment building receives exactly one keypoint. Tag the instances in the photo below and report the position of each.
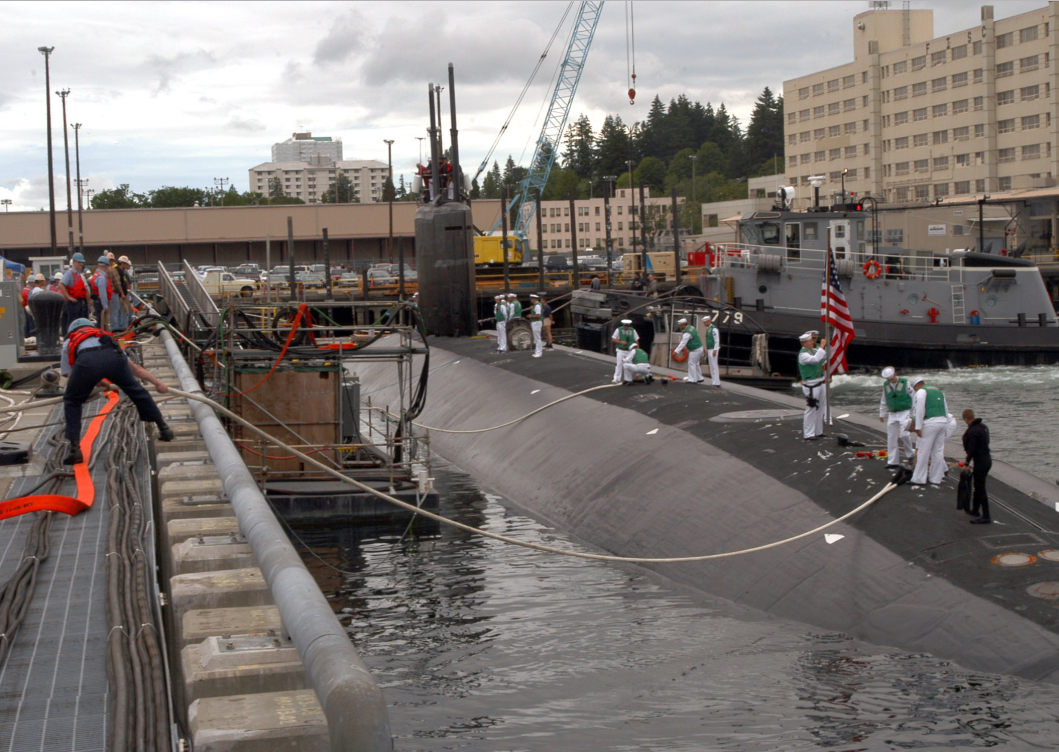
(301, 146)
(916, 117)
(309, 180)
(589, 220)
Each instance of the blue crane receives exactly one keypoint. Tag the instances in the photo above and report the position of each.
(548, 143)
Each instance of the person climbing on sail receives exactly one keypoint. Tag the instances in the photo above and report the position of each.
(690, 341)
(623, 337)
(894, 409)
(811, 363)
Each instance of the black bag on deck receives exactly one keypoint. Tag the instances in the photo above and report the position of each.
(964, 491)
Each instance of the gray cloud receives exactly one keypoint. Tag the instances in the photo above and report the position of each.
(247, 125)
(347, 35)
(166, 69)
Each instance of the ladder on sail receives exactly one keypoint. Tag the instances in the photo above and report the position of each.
(958, 314)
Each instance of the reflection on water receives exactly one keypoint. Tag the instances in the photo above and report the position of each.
(1018, 403)
(484, 647)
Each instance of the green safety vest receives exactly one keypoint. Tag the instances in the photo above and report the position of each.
(935, 407)
(639, 356)
(500, 312)
(810, 371)
(626, 336)
(694, 343)
(516, 309)
(897, 397)
(535, 312)
(711, 337)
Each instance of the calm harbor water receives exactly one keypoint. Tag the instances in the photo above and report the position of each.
(1019, 404)
(485, 647)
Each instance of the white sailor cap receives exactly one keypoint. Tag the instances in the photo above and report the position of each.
(534, 295)
(512, 295)
(888, 372)
(916, 381)
(632, 345)
(498, 297)
(627, 322)
(682, 321)
(808, 335)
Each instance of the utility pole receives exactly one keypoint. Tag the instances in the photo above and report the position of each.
(421, 139)
(608, 193)
(46, 51)
(7, 204)
(80, 187)
(69, 202)
(221, 183)
(575, 283)
(643, 230)
(694, 193)
(389, 179)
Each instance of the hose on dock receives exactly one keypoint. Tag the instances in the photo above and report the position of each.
(899, 478)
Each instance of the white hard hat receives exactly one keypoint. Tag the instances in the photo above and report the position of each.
(627, 322)
(888, 372)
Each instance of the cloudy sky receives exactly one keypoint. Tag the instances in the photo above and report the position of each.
(182, 93)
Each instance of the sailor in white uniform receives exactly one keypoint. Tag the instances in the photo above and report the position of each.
(536, 319)
(713, 350)
(931, 419)
(691, 341)
(894, 408)
(501, 324)
(812, 362)
(623, 337)
(638, 366)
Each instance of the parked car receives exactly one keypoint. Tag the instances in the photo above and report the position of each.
(380, 276)
(222, 282)
(247, 271)
(348, 280)
(311, 279)
(409, 272)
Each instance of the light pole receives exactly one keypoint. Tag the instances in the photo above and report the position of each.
(220, 183)
(632, 200)
(69, 202)
(608, 192)
(88, 196)
(7, 204)
(80, 186)
(46, 51)
(694, 193)
(421, 139)
(389, 196)
(844, 171)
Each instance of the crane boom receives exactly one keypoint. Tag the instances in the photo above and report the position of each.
(558, 112)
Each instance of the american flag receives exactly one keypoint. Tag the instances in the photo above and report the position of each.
(841, 322)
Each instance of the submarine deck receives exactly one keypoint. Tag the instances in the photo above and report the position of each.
(919, 524)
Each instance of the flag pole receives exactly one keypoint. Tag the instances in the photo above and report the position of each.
(827, 328)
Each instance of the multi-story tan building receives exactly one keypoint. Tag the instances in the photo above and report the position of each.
(916, 117)
(310, 180)
(590, 221)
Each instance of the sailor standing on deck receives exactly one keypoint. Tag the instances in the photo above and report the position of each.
(713, 350)
(931, 419)
(624, 336)
(501, 323)
(514, 308)
(690, 340)
(894, 409)
(811, 363)
(536, 319)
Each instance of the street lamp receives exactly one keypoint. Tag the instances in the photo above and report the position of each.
(220, 183)
(7, 204)
(844, 171)
(66, 147)
(46, 51)
(608, 192)
(80, 186)
(88, 196)
(389, 194)
(421, 139)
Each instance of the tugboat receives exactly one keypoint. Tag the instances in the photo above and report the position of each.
(911, 309)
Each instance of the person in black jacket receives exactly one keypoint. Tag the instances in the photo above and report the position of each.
(976, 447)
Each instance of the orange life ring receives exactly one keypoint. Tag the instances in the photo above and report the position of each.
(872, 269)
(680, 357)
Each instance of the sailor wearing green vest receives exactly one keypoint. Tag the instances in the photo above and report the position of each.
(894, 409)
(501, 324)
(931, 423)
(690, 339)
(624, 336)
(536, 319)
(713, 350)
(811, 363)
(638, 365)
(514, 308)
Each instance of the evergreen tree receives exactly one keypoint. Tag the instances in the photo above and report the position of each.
(491, 184)
(580, 148)
(612, 147)
(764, 135)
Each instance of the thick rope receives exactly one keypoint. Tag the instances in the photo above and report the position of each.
(504, 539)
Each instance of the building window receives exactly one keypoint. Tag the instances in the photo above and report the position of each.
(849, 104)
(818, 89)
(836, 176)
(920, 139)
(962, 187)
(901, 92)
(803, 93)
(820, 156)
(959, 53)
(1005, 69)
(832, 109)
(1030, 93)
(976, 75)
(941, 190)
(792, 139)
(836, 154)
(819, 133)
(851, 152)
(920, 114)
(900, 194)
(1032, 151)
(901, 67)
(1005, 155)
(867, 150)
(940, 137)
(1004, 184)
(979, 157)
(1005, 40)
(1029, 63)
(940, 110)
(806, 158)
(792, 117)
(803, 136)
(848, 81)
(803, 115)
(901, 168)
(832, 85)
(960, 106)
(919, 89)
(919, 63)
(834, 130)
(941, 163)
(959, 79)
(901, 143)
(922, 165)
(851, 174)
(963, 160)
(1005, 126)
(937, 58)
(939, 84)
(1028, 34)
(1005, 97)
(979, 185)
(901, 118)
(922, 192)
(849, 128)
(961, 134)
(1030, 122)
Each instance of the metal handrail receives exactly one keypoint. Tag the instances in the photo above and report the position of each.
(167, 287)
(198, 293)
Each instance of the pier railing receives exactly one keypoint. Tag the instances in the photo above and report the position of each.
(783, 260)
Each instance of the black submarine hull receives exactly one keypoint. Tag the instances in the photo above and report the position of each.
(648, 471)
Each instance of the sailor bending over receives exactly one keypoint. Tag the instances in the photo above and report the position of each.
(894, 409)
(638, 366)
(691, 341)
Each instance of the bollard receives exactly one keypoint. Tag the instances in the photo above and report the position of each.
(47, 310)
